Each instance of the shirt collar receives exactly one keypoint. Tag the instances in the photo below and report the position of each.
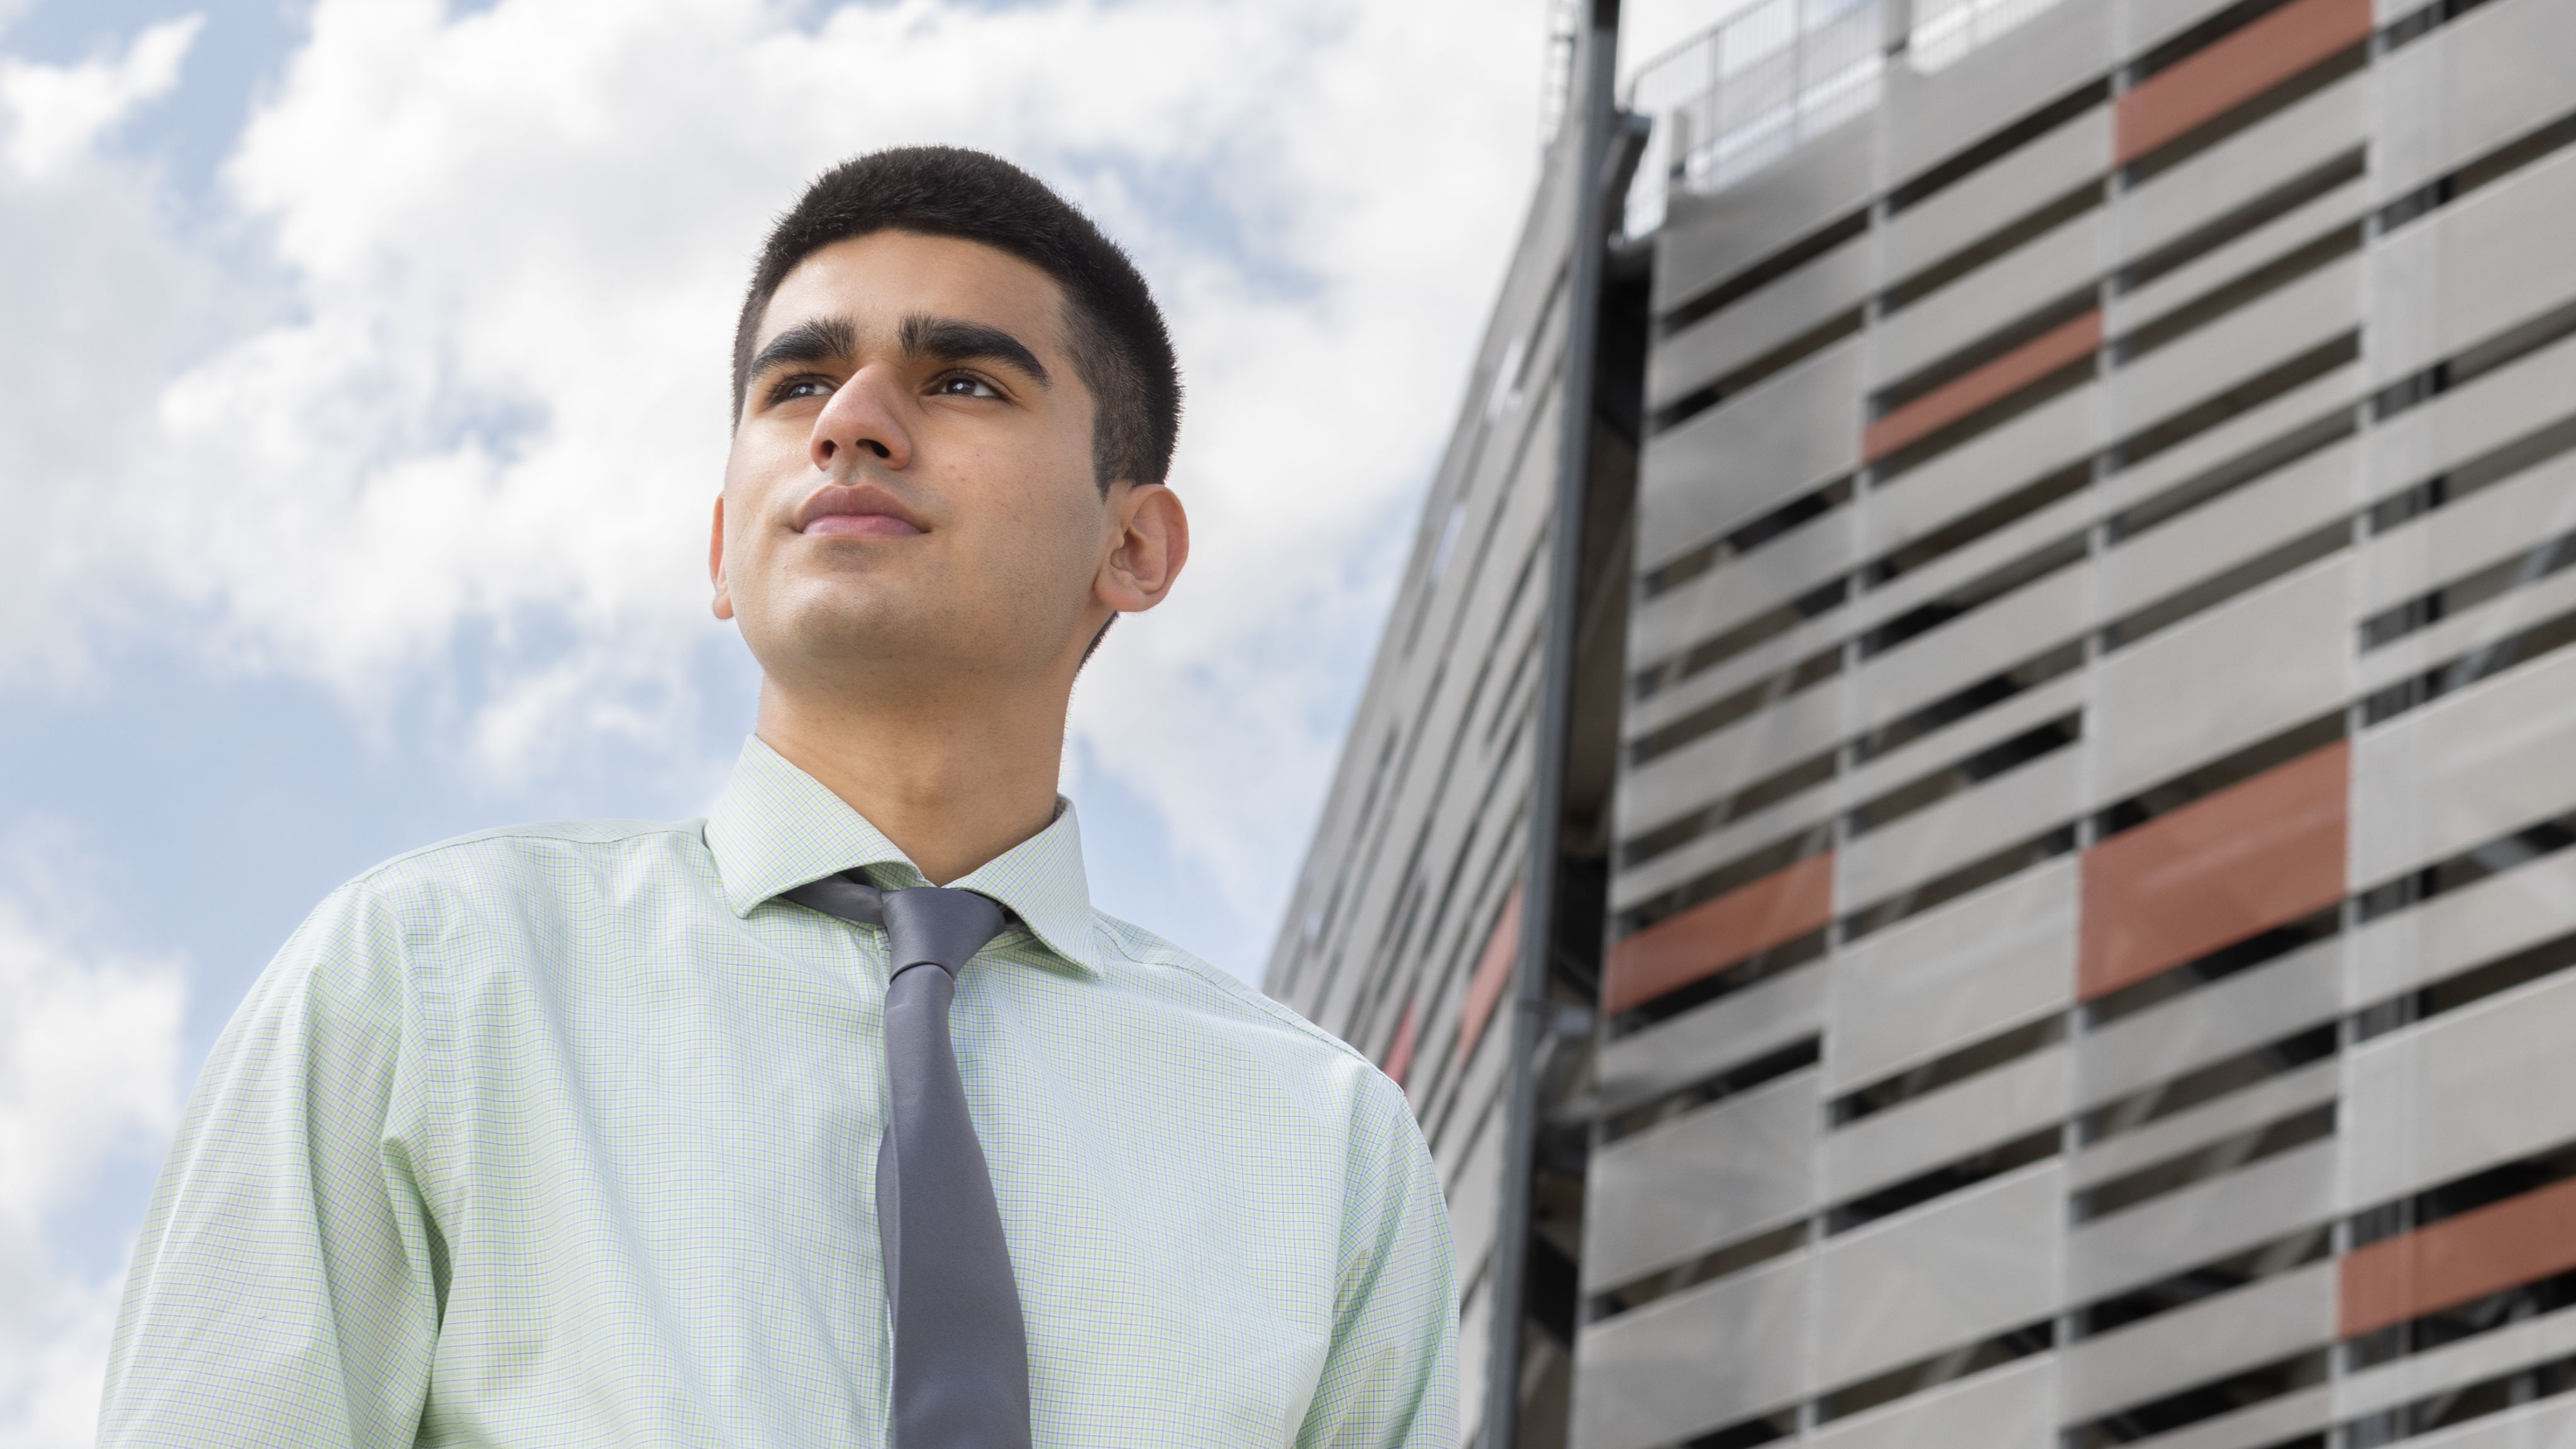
(775, 828)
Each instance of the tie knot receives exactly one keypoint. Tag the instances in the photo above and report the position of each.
(924, 925)
(931, 925)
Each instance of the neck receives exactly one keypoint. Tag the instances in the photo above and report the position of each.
(952, 787)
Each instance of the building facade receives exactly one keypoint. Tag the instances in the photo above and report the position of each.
(1403, 932)
(2061, 906)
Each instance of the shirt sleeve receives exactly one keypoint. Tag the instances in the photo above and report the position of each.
(1390, 1379)
(287, 1283)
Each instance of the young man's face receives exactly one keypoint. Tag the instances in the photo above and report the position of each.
(911, 485)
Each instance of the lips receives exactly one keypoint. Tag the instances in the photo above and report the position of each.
(864, 511)
(859, 525)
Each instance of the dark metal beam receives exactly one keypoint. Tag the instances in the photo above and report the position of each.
(1595, 74)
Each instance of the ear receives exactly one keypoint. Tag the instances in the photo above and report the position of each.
(716, 564)
(1151, 543)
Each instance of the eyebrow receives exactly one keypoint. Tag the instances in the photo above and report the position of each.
(953, 339)
(816, 339)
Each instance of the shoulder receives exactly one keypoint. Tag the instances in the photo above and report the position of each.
(1138, 957)
(507, 847)
(441, 898)
(546, 858)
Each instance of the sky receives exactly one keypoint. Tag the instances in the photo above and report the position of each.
(362, 394)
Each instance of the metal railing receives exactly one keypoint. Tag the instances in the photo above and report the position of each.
(1776, 73)
(1945, 30)
(1748, 91)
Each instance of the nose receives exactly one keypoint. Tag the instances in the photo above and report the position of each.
(863, 422)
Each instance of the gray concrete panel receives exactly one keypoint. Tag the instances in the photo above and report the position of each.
(2187, 464)
(1793, 431)
(2508, 1347)
(2491, 408)
(1971, 562)
(2202, 1223)
(1971, 825)
(1942, 1127)
(2444, 642)
(2244, 344)
(1742, 588)
(2198, 279)
(2041, 270)
(1947, 1275)
(2262, 1323)
(1974, 206)
(1736, 839)
(1699, 1043)
(1681, 1365)
(1904, 765)
(1473, 1199)
(1701, 1180)
(1707, 239)
(2268, 1423)
(2492, 527)
(2065, 429)
(1932, 117)
(2482, 1085)
(2318, 490)
(1790, 307)
(2217, 1021)
(1755, 665)
(2468, 88)
(2496, 257)
(2194, 692)
(2465, 769)
(2013, 1407)
(1952, 976)
(2494, 917)
(2004, 633)
(2239, 1111)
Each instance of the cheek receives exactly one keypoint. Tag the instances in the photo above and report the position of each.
(1040, 518)
(1063, 529)
(762, 468)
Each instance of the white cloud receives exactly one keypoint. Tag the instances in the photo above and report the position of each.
(104, 304)
(89, 1064)
(53, 115)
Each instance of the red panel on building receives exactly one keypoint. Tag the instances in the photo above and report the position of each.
(2235, 70)
(2457, 1259)
(1493, 974)
(1989, 383)
(2253, 856)
(1399, 1057)
(1714, 935)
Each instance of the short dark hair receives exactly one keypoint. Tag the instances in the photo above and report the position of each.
(1120, 347)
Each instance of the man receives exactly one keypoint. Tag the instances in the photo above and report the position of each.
(635, 1134)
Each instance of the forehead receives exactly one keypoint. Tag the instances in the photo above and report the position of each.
(878, 279)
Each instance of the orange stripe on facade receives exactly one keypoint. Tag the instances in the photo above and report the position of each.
(1493, 973)
(1399, 1057)
(1991, 383)
(1714, 935)
(2235, 70)
(2251, 857)
(2458, 1259)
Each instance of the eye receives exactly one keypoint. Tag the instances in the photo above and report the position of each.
(792, 389)
(963, 384)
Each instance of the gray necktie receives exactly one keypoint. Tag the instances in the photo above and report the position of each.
(961, 1349)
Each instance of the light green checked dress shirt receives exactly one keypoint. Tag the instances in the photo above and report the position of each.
(567, 1135)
